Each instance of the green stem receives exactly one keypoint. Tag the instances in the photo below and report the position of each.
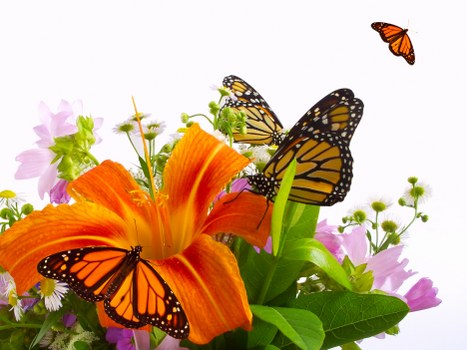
(132, 144)
(94, 160)
(20, 325)
(202, 115)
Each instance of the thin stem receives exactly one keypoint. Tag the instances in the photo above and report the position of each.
(152, 189)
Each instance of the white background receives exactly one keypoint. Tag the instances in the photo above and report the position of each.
(168, 53)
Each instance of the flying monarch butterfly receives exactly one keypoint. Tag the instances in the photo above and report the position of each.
(134, 294)
(398, 39)
(319, 142)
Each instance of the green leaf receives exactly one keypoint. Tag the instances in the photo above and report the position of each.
(260, 271)
(349, 316)
(279, 206)
(302, 327)
(51, 319)
(302, 221)
(311, 250)
(262, 334)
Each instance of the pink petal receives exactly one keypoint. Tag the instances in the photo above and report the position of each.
(388, 272)
(355, 245)
(47, 180)
(34, 163)
(333, 242)
(422, 295)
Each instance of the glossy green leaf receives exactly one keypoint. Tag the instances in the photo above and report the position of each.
(349, 316)
(300, 326)
(311, 250)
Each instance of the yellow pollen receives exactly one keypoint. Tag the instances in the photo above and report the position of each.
(7, 194)
(47, 287)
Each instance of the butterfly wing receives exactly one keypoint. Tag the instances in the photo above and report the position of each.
(398, 39)
(120, 305)
(156, 304)
(338, 112)
(89, 271)
(262, 124)
(323, 174)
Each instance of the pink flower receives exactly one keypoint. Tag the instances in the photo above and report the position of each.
(37, 162)
(389, 274)
(326, 234)
(170, 343)
(58, 193)
(422, 295)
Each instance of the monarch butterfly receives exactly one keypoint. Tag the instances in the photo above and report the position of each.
(262, 124)
(319, 142)
(398, 39)
(134, 294)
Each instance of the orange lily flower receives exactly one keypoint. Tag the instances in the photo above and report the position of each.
(174, 230)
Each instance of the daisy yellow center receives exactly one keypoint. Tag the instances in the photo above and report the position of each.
(7, 194)
(12, 299)
(47, 287)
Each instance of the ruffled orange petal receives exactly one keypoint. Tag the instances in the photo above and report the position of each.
(206, 280)
(243, 214)
(113, 187)
(54, 229)
(199, 167)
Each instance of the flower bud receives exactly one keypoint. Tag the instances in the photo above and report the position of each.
(27, 209)
(184, 118)
(412, 180)
(389, 226)
(359, 216)
(378, 206)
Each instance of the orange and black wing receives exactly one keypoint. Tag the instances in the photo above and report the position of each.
(134, 293)
(324, 169)
(156, 304)
(89, 271)
(262, 124)
(398, 39)
(339, 112)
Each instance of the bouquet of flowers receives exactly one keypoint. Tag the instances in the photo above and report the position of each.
(206, 243)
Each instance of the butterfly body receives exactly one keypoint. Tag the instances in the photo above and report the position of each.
(398, 39)
(133, 292)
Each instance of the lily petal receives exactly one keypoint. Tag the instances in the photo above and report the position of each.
(207, 282)
(111, 185)
(244, 214)
(54, 229)
(195, 173)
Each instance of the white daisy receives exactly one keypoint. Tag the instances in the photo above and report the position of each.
(52, 292)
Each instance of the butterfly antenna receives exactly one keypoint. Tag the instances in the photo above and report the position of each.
(152, 189)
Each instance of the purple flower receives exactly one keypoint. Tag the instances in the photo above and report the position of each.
(58, 193)
(267, 248)
(69, 320)
(127, 339)
(422, 295)
(37, 162)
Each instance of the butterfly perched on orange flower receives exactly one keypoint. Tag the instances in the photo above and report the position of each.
(319, 141)
(134, 294)
(398, 39)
